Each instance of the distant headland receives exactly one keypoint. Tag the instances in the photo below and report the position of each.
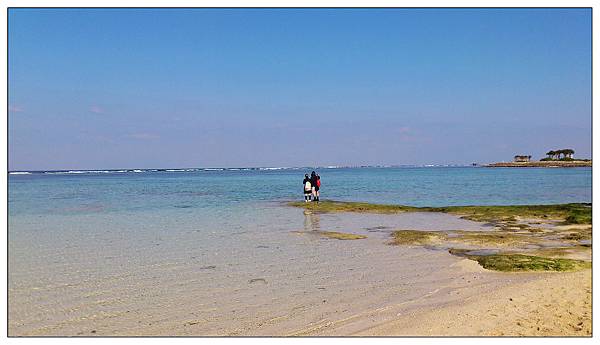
(555, 159)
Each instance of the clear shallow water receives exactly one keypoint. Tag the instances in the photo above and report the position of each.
(160, 252)
(215, 190)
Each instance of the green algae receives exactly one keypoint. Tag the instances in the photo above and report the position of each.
(341, 235)
(493, 238)
(417, 237)
(520, 262)
(327, 206)
(572, 233)
(504, 215)
(334, 235)
(511, 247)
(568, 213)
(499, 250)
(480, 239)
(553, 252)
(578, 236)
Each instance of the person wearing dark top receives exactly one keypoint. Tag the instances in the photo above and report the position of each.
(313, 183)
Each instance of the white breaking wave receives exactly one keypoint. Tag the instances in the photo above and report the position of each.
(78, 172)
(276, 168)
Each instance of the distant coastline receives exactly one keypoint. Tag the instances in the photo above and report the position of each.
(542, 164)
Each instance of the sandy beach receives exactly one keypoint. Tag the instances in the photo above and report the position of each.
(554, 304)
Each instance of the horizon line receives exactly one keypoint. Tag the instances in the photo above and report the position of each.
(171, 169)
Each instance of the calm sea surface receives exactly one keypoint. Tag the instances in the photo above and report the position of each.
(219, 191)
(217, 252)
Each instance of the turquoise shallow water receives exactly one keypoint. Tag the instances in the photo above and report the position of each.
(217, 190)
(148, 252)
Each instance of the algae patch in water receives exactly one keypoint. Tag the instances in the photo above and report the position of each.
(333, 234)
(513, 245)
(341, 235)
(502, 250)
(576, 234)
(327, 206)
(494, 238)
(479, 239)
(567, 213)
(520, 262)
(417, 237)
(576, 250)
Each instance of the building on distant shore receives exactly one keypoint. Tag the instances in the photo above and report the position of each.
(522, 158)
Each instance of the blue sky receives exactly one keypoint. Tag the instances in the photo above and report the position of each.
(205, 88)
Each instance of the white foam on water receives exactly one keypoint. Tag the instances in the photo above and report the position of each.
(274, 168)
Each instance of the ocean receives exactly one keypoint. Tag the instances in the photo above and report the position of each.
(218, 252)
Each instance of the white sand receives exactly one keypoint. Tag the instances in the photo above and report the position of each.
(556, 304)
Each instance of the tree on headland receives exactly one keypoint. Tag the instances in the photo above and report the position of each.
(558, 153)
(567, 154)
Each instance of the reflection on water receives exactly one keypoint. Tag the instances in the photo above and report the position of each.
(312, 221)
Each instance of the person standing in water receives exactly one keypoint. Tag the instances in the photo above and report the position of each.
(307, 188)
(313, 183)
(317, 187)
